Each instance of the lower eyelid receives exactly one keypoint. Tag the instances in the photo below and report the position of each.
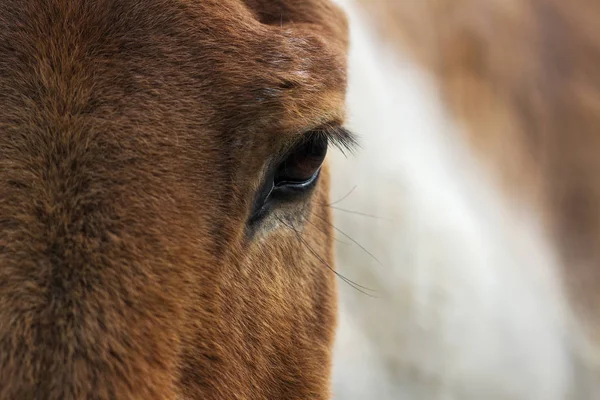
(300, 185)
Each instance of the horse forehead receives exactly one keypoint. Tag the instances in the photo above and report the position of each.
(217, 53)
(285, 75)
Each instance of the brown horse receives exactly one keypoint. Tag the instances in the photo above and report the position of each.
(164, 229)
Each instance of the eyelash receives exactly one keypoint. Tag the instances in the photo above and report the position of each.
(339, 137)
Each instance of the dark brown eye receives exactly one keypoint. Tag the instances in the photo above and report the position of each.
(302, 164)
(293, 177)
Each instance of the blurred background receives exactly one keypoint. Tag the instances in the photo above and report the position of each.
(460, 297)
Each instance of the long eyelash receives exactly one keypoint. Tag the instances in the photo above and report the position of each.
(340, 137)
(336, 135)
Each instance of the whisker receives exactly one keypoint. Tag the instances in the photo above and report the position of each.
(353, 241)
(351, 211)
(351, 283)
(359, 213)
(343, 198)
(325, 233)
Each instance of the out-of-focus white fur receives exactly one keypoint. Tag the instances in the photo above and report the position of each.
(469, 302)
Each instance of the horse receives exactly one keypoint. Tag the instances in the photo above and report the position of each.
(165, 229)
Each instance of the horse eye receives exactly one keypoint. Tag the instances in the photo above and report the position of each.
(292, 177)
(302, 165)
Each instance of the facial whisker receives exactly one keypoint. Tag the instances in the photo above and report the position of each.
(364, 290)
(325, 233)
(351, 239)
(359, 213)
(343, 198)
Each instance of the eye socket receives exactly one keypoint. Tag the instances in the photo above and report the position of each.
(294, 176)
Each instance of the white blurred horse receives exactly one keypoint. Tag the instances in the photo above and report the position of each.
(469, 302)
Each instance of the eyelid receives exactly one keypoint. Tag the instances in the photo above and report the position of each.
(299, 185)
